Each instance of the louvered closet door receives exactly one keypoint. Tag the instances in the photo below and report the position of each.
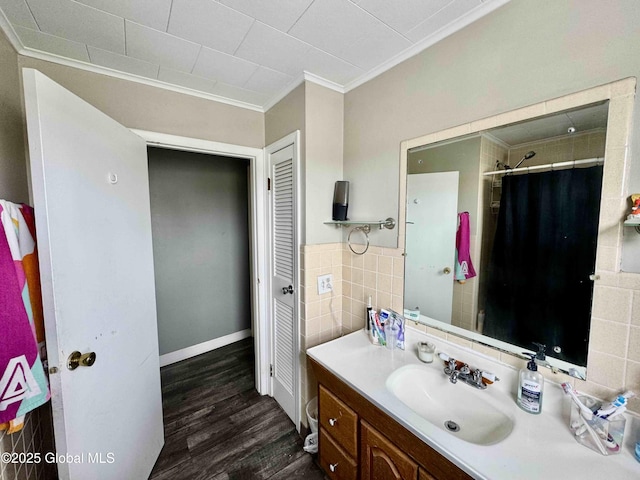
(285, 278)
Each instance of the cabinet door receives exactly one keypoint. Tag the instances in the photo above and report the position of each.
(382, 460)
(424, 475)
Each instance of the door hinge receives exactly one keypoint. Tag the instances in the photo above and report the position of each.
(271, 370)
(268, 183)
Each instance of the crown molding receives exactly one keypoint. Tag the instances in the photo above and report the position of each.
(470, 17)
(303, 77)
(50, 57)
(10, 33)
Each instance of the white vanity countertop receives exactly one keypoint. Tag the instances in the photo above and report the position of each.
(539, 447)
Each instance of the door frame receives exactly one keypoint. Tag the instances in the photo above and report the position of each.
(258, 239)
(292, 139)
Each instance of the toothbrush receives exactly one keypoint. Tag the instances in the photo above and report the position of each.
(586, 412)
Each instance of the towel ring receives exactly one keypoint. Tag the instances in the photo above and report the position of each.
(366, 235)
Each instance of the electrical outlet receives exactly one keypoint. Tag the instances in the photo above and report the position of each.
(325, 283)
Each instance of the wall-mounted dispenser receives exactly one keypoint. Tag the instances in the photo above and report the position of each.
(340, 200)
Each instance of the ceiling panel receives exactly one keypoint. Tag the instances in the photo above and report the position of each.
(402, 19)
(152, 13)
(280, 14)
(444, 17)
(157, 47)
(249, 49)
(343, 29)
(222, 67)
(52, 44)
(186, 80)
(270, 47)
(18, 13)
(268, 81)
(122, 63)
(79, 23)
(209, 23)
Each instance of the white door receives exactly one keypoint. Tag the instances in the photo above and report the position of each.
(432, 220)
(91, 196)
(284, 278)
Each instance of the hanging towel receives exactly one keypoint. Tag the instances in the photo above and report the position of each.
(463, 266)
(23, 383)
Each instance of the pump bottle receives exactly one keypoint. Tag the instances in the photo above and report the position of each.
(530, 387)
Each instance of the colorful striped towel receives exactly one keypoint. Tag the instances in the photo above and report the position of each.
(23, 383)
(463, 266)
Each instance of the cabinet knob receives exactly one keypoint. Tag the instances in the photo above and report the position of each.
(333, 467)
(333, 421)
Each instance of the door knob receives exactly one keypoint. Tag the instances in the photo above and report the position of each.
(77, 359)
(446, 270)
(288, 289)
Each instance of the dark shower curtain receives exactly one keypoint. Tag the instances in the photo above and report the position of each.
(538, 286)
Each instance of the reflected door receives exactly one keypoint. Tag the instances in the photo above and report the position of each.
(432, 220)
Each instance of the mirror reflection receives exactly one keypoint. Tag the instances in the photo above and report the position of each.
(502, 232)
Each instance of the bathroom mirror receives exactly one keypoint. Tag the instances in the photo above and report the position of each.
(518, 266)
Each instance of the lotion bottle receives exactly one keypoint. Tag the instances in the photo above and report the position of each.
(530, 387)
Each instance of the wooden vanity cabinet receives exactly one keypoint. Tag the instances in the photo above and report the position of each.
(382, 460)
(357, 440)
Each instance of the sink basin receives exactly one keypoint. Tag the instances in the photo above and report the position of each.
(476, 416)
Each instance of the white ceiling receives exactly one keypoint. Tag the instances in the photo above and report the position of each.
(584, 119)
(249, 52)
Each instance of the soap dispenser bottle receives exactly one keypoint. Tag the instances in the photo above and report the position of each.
(530, 386)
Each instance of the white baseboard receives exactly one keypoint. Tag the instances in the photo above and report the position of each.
(192, 351)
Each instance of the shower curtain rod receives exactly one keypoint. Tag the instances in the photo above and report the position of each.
(551, 166)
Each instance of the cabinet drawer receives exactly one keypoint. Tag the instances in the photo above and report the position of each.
(339, 421)
(335, 462)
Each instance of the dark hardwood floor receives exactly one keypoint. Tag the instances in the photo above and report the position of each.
(218, 427)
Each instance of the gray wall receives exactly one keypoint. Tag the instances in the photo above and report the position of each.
(199, 217)
(522, 53)
(462, 156)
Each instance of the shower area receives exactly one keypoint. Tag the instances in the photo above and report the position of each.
(540, 228)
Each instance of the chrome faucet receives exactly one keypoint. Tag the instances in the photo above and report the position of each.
(464, 373)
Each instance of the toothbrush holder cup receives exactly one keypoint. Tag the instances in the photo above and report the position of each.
(599, 434)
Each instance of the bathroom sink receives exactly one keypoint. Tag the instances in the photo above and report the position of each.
(476, 416)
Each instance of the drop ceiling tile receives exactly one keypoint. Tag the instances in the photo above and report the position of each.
(209, 23)
(330, 67)
(402, 19)
(265, 80)
(222, 67)
(52, 44)
(343, 29)
(186, 80)
(242, 94)
(18, 13)
(158, 47)
(270, 47)
(280, 14)
(152, 13)
(122, 63)
(444, 17)
(77, 22)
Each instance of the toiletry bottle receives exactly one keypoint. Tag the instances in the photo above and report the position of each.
(530, 387)
(368, 313)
